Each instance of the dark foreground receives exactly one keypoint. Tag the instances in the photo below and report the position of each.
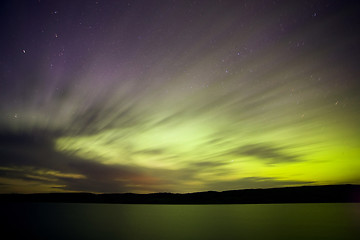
(59, 221)
(304, 194)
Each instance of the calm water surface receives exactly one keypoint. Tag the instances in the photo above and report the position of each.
(172, 222)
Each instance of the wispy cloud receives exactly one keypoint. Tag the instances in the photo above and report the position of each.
(267, 153)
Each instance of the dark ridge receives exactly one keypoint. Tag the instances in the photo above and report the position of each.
(304, 194)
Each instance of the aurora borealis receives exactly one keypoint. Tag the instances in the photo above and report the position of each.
(178, 96)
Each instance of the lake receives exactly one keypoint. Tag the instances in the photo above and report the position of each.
(122, 221)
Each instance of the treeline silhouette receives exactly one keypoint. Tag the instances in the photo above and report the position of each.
(304, 194)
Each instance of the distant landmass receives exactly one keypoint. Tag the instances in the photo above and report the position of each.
(303, 194)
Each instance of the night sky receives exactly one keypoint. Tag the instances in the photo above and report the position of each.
(178, 96)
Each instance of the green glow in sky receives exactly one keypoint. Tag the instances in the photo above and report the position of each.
(180, 98)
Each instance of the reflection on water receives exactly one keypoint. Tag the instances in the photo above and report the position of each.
(106, 221)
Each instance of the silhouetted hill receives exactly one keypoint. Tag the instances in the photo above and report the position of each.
(304, 194)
